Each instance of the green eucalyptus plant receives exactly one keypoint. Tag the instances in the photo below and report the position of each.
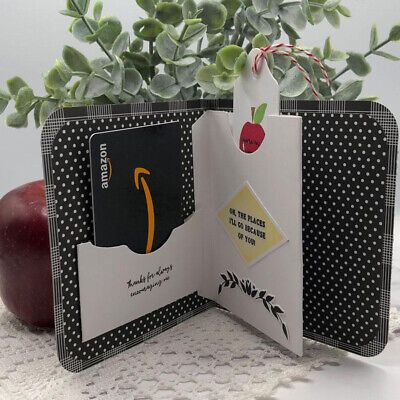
(187, 49)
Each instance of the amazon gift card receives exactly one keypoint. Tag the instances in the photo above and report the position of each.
(136, 186)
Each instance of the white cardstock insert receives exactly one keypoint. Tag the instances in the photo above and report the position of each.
(241, 248)
(266, 292)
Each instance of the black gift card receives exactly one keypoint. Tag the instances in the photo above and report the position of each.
(136, 186)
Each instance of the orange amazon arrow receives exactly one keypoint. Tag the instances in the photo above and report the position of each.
(150, 206)
(109, 169)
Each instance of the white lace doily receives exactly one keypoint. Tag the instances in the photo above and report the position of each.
(211, 356)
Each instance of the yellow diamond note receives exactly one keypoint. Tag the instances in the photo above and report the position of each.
(250, 226)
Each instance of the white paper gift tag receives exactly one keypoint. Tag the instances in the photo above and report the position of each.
(252, 90)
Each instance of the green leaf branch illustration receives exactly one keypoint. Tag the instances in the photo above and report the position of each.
(231, 280)
(190, 49)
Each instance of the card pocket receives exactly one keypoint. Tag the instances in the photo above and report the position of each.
(118, 286)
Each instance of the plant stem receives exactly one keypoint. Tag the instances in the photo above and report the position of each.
(234, 38)
(367, 54)
(242, 36)
(85, 21)
(151, 52)
(199, 44)
(295, 3)
(47, 98)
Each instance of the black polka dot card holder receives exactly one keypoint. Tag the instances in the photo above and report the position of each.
(349, 177)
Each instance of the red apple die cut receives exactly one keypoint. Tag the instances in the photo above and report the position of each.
(253, 134)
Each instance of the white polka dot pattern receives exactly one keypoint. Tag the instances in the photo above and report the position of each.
(72, 190)
(348, 204)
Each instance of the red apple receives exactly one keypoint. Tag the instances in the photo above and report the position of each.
(253, 134)
(25, 267)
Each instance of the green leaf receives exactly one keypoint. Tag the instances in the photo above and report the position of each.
(259, 23)
(4, 95)
(209, 52)
(373, 42)
(169, 13)
(164, 85)
(80, 91)
(98, 64)
(36, 113)
(96, 87)
(184, 62)
(293, 16)
(81, 31)
(240, 63)
(305, 5)
(189, 9)
(217, 40)
(148, 28)
(293, 84)
(194, 33)
(338, 55)
(136, 45)
(229, 54)
(168, 49)
(110, 28)
(260, 113)
(120, 44)
(69, 13)
(261, 5)
(231, 6)
(349, 91)
(97, 10)
(225, 81)
(17, 120)
(317, 14)
(328, 48)
(358, 64)
(46, 110)
(24, 100)
(394, 34)
(192, 21)
(75, 60)
(290, 31)
(331, 5)
(172, 32)
(133, 80)
(333, 18)
(138, 59)
(205, 76)
(118, 76)
(15, 84)
(213, 14)
(369, 98)
(4, 100)
(3, 105)
(186, 76)
(239, 20)
(147, 5)
(344, 11)
(58, 76)
(386, 55)
(80, 6)
(259, 41)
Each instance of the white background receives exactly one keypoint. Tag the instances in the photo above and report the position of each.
(32, 35)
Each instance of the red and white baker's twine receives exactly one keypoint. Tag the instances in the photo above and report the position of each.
(278, 49)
